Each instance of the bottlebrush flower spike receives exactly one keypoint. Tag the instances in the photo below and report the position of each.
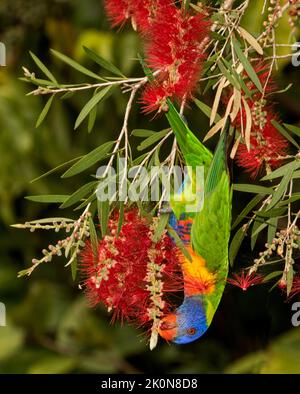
(141, 12)
(267, 145)
(131, 274)
(174, 49)
(244, 280)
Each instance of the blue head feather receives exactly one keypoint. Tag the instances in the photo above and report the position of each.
(191, 320)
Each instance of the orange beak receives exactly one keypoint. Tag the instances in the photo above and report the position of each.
(168, 327)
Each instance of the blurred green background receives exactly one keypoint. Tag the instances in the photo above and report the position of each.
(50, 328)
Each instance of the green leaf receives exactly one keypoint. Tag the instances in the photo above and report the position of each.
(295, 197)
(228, 75)
(121, 217)
(272, 228)
(146, 68)
(256, 229)
(289, 280)
(96, 99)
(236, 244)
(293, 129)
(142, 133)
(206, 109)
(92, 116)
(285, 133)
(247, 65)
(103, 213)
(103, 63)
(271, 213)
(179, 243)
(279, 193)
(280, 172)
(74, 264)
(252, 204)
(240, 187)
(55, 169)
(271, 275)
(162, 223)
(43, 68)
(79, 194)
(76, 65)
(152, 139)
(93, 236)
(44, 111)
(89, 160)
(48, 198)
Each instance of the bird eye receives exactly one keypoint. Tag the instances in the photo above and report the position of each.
(191, 331)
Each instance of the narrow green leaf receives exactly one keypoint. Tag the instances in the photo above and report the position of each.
(121, 217)
(276, 212)
(76, 65)
(228, 75)
(103, 213)
(272, 228)
(252, 204)
(93, 236)
(44, 111)
(90, 159)
(48, 198)
(74, 268)
(142, 133)
(281, 171)
(43, 68)
(247, 65)
(55, 169)
(103, 63)
(271, 275)
(146, 68)
(206, 109)
(79, 194)
(96, 99)
(293, 129)
(285, 133)
(295, 197)
(162, 223)
(86, 201)
(179, 243)
(152, 139)
(92, 119)
(289, 280)
(279, 193)
(236, 244)
(240, 187)
(257, 228)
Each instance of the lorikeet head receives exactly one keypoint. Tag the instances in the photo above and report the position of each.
(187, 324)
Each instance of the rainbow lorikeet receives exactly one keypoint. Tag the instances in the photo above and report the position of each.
(205, 235)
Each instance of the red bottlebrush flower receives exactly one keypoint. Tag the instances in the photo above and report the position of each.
(267, 147)
(141, 12)
(131, 274)
(118, 11)
(244, 280)
(174, 49)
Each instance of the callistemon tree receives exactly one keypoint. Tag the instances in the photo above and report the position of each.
(132, 247)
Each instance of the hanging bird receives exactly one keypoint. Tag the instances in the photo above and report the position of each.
(205, 235)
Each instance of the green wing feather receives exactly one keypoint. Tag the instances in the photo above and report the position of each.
(194, 153)
(211, 227)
